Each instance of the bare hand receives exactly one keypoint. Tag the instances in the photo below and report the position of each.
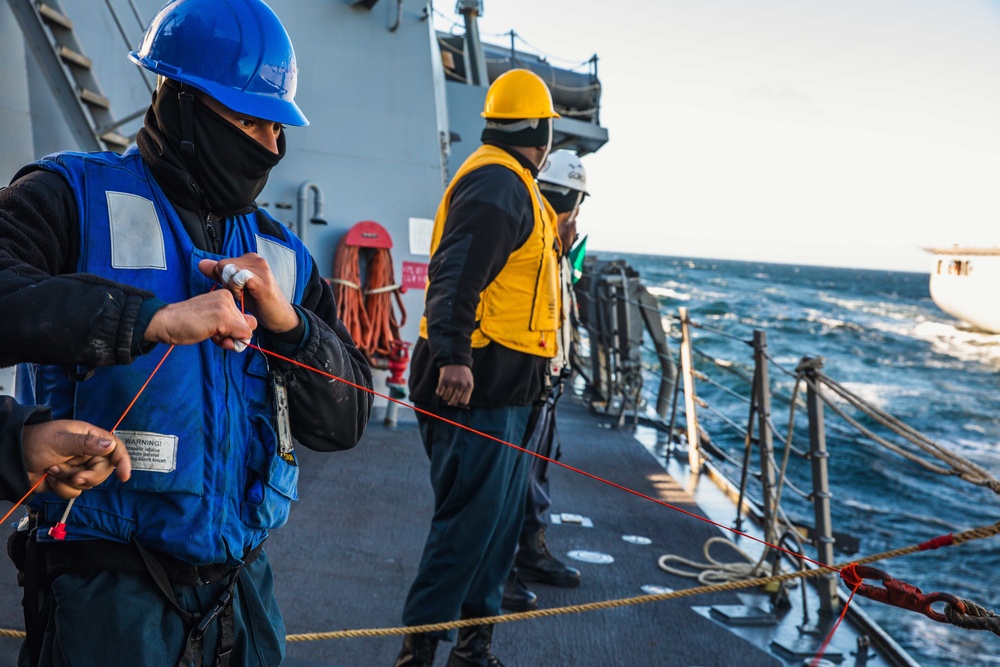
(213, 315)
(76, 455)
(251, 277)
(455, 385)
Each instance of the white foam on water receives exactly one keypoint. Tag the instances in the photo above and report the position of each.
(821, 317)
(893, 311)
(962, 344)
(668, 293)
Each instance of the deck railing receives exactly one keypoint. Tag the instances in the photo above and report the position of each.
(712, 406)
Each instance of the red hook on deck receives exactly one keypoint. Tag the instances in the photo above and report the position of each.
(898, 593)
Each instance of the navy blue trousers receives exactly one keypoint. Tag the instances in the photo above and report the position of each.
(479, 488)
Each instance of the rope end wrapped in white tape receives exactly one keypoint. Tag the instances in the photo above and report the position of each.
(234, 275)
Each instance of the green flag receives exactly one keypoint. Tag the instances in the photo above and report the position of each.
(576, 255)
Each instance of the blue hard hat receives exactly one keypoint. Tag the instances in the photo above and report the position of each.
(237, 51)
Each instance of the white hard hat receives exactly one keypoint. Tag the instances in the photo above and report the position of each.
(564, 169)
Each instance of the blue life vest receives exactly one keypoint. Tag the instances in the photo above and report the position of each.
(207, 478)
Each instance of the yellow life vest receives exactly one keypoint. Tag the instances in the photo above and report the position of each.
(520, 309)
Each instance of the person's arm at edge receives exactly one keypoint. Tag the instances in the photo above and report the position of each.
(13, 416)
(78, 319)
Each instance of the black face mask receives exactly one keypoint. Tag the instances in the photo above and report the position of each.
(229, 167)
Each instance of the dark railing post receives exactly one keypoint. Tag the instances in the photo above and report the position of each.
(762, 388)
(748, 444)
(819, 456)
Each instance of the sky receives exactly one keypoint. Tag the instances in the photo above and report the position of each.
(837, 132)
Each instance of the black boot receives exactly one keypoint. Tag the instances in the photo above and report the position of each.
(474, 648)
(535, 563)
(418, 651)
(516, 596)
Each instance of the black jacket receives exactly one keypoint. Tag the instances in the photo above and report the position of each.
(489, 217)
(70, 319)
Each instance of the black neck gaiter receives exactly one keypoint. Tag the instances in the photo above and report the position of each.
(227, 169)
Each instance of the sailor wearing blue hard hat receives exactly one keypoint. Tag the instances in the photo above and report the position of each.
(126, 251)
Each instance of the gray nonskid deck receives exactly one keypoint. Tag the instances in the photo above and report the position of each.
(347, 556)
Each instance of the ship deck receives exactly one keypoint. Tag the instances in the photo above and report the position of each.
(351, 547)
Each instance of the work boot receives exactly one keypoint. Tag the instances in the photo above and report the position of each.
(535, 563)
(474, 648)
(516, 596)
(418, 651)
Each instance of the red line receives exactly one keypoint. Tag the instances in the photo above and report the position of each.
(143, 388)
(544, 458)
(25, 497)
(829, 637)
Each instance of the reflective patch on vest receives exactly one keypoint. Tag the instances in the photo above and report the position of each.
(152, 452)
(136, 236)
(281, 260)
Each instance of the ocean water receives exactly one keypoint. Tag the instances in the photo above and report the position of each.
(882, 337)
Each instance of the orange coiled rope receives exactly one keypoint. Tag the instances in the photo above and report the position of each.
(347, 291)
(380, 289)
(365, 305)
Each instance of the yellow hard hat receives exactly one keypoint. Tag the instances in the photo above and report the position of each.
(518, 93)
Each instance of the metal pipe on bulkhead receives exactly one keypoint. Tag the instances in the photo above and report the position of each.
(317, 217)
(475, 60)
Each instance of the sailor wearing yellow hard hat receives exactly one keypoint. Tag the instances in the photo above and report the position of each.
(488, 333)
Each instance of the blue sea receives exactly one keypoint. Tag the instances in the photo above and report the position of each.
(881, 336)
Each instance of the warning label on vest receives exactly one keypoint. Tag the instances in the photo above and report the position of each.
(151, 452)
